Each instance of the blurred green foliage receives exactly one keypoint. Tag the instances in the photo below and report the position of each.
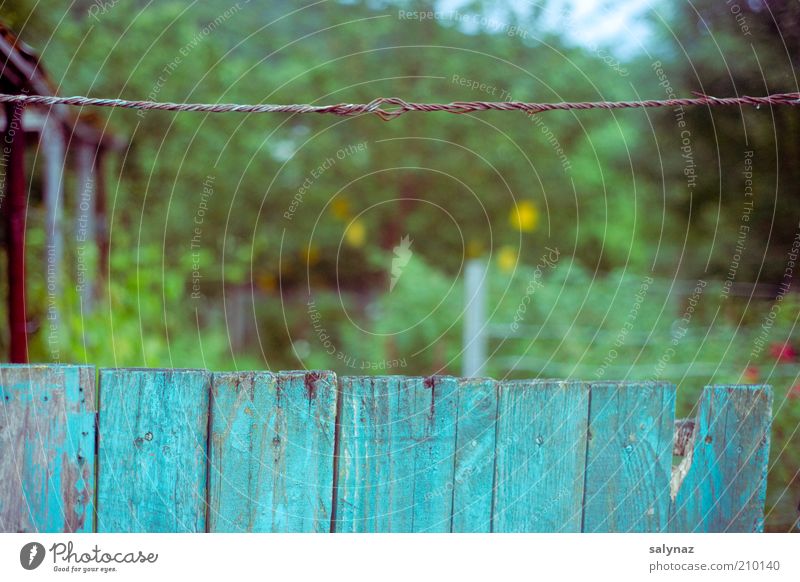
(310, 208)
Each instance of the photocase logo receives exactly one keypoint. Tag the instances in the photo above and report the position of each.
(402, 254)
(31, 555)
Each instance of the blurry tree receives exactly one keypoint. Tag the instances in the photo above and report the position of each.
(733, 48)
(287, 203)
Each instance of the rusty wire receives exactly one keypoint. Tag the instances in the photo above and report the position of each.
(396, 107)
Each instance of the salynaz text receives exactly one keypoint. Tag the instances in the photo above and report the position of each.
(669, 550)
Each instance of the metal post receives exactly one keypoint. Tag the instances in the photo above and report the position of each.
(474, 338)
(101, 227)
(53, 148)
(84, 221)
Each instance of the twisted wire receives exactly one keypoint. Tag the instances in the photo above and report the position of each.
(388, 108)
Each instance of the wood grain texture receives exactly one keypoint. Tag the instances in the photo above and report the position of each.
(152, 450)
(47, 435)
(188, 451)
(720, 485)
(541, 455)
(272, 444)
(434, 446)
(629, 457)
(396, 454)
(473, 481)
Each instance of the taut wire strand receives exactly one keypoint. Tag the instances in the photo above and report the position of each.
(391, 107)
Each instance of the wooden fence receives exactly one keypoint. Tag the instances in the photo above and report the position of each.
(192, 451)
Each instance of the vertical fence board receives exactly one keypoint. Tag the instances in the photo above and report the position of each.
(720, 486)
(152, 450)
(47, 435)
(312, 399)
(434, 437)
(475, 452)
(375, 477)
(541, 455)
(395, 468)
(272, 442)
(629, 457)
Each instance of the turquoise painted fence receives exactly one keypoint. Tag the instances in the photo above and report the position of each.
(192, 451)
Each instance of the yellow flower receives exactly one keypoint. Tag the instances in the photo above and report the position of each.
(524, 216)
(507, 258)
(474, 249)
(266, 282)
(356, 233)
(340, 208)
(311, 255)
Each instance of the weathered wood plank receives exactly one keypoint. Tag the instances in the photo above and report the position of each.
(396, 454)
(434, 436)
(271, 446)
(47, 436)
(541, 455)
(629, 457)
(375, 477)
(473, 480)
(152, 450)
(720, 485)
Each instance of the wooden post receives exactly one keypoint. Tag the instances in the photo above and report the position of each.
(16, 205)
